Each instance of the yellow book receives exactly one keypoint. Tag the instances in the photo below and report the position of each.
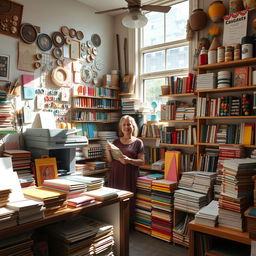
(247, 135)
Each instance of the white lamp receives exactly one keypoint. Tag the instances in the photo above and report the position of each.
(134, 19)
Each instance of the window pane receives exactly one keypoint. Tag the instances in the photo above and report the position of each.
(154, 30)
(152, 90)
(177, 58)
(176, 21)
(154, 61)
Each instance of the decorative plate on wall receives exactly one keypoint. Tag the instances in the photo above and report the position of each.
(99, 63)
(64, 30)
(57, 53)
(96, 40)
(86, 74)
(44, 42)
(72, 32)
(79, 35)
(28, 33)
(58, 39)
(59, 76)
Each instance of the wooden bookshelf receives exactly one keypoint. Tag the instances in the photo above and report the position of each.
(222, 232)
(230, 89)
(99, 121)
(94, 97)
(225, 117)
(218, 145)
(149, 167)
(110, 87)
(178, 121)
(96, 108)
(177, 145)
(178, 95)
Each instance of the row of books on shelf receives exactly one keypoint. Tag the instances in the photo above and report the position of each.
(180, 85)
(243, 133)
(93, 150)
(96, 116)
(153, 154)
(227, 106)
(84, 90)
(177, 110)
(87, 129)
(95, 103)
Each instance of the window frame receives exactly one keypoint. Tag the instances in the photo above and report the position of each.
(163, 46)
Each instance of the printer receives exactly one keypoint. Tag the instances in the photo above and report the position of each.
(58, 143)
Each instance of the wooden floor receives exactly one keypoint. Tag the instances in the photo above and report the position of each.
(145, 245)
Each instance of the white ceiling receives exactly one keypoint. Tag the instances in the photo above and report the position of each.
(101, 5)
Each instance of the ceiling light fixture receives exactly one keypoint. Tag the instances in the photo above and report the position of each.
(134, 19)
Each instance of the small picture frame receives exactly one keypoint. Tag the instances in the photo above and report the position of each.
(75, 49)
(46, 169)
(4, 67)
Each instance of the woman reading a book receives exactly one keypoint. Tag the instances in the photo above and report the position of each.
(125, 164)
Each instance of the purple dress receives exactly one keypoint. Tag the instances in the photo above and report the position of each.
(125, 176)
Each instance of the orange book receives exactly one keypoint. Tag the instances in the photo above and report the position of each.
(241, 77)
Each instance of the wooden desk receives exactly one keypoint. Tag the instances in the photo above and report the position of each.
(222, 232)
(115, 212)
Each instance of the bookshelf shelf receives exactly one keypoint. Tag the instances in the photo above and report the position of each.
(96, 108)
(177, 145)
(178, 95)
(231, 89)
(149, 138)
(95, 172)
(110, 87)
(125, 93)
(94, 97)
(150, 168)
(229, 64)
(89, 121)
(217, 145)
(96, 138)
(177, 121)
(226, 117)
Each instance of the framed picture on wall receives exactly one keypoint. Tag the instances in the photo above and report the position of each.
(4, 67)
(46, 169)
(75, 49)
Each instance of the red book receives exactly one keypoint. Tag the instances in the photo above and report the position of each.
(241, 77)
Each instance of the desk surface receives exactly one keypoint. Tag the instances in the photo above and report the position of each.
(223, 232)
(60, 215)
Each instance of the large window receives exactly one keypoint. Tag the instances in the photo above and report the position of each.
(164, 50)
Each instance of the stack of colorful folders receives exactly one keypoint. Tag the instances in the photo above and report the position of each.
(143, 205)
(162, 208)
(21, 162)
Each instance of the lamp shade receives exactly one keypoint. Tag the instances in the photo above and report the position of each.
(134, 19)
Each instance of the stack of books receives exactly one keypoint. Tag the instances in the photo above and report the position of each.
(80, 236)
(208, 215)
(189, 201)
(129, 106)
(162, 209)
(102, 194)
(18, 245)
(4, 196)
(96, 165)
(143, 205)
(80, 201)
(53, 200)
(28, 210)
(72, 188)
(21, 162)
(6, 113)
(237, 185)
(187, 180)
(8, 218)
(206, 81)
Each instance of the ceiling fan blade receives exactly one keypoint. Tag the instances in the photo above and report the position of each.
(155, 8)
(112, 10)
(133, 2)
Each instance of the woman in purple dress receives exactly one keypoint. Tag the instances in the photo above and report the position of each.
(124, 171)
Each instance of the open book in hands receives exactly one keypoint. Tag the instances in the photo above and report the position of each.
(115, 151)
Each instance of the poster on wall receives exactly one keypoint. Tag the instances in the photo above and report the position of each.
(235, 27)
(4, 67)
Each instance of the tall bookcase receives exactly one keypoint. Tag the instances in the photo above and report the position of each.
(98, 106)
(219, 92)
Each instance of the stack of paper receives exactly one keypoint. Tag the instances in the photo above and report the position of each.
(80, 236)
(206, 81)
(72, 188)
(8, 218)
(208, 214)
(102, 194)
(28, 210)
(189, 201)
(187, 180)
(17, 245)
(53, 200)
(203, 182)
(21, 161)
(4, 195)
(162, 208)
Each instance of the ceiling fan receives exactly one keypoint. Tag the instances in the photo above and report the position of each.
(135, 18)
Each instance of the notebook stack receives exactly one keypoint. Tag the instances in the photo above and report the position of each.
(162, 208)
(143, 205)
(237, 185)
(208, 215)
(189, 201)
(206, 81)
(91, 183)
(8, 218)
(96, 165)
(72, 188)
(17, 245)
(21, 162)
(80, 236)
(4, 196)
(53, 200)
(80, 201)
(28, 210)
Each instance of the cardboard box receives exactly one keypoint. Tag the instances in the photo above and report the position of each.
(110, 80)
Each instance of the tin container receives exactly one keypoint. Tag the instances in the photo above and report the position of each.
(220, 54)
